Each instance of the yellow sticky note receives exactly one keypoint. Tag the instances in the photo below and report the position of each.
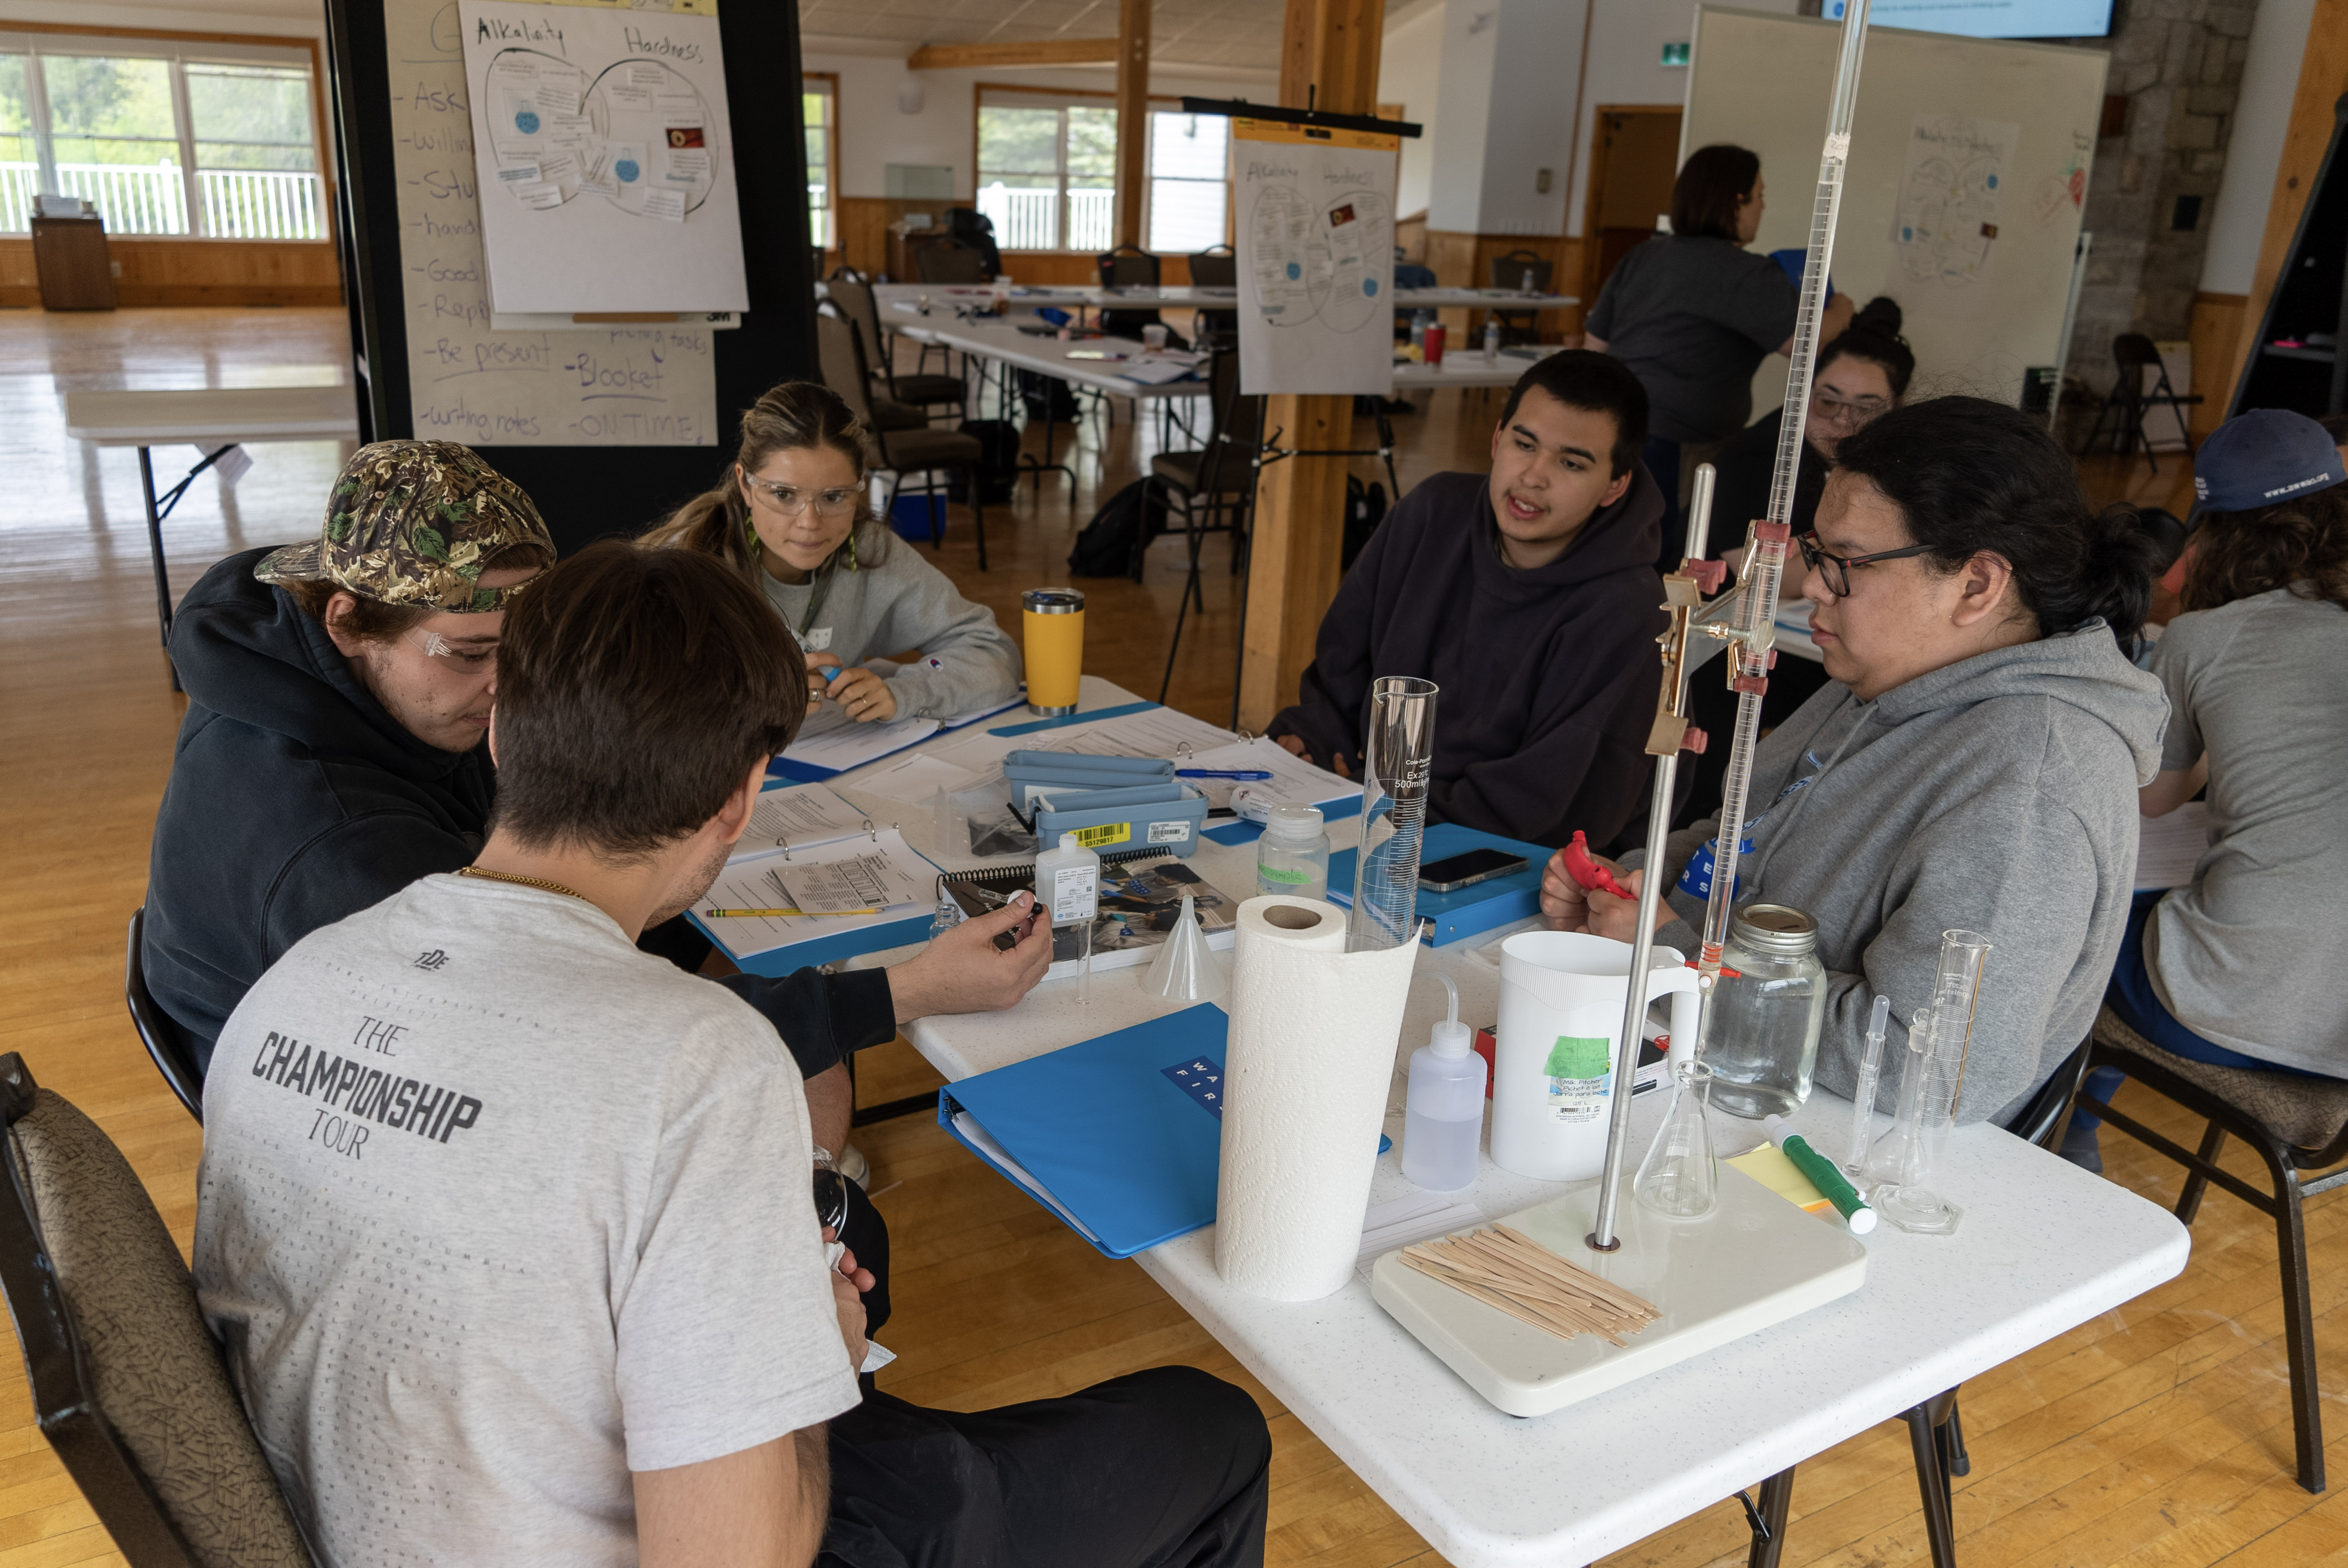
(1768, 1165)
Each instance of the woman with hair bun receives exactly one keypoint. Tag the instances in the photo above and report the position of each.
(1973, 763)
(790, 516)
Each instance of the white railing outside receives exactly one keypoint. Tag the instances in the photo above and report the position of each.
(19, 184)
(1092, 218)
(134, 198)
(260, 204)
(1025, 218)
(151, 199)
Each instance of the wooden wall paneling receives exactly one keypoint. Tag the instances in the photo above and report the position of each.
(159, 272)
(1329, 48)
(2322, 77)
(2219, 335)
(1410, 238)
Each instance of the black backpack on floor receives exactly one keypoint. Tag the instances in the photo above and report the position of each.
(1046, 397)
(1112, 543)
(998, 472)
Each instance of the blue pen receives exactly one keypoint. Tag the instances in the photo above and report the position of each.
(1245, 776)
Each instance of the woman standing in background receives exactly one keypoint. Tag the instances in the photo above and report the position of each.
(1694, 315)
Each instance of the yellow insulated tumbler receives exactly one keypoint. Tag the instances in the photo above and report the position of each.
(1055, 622)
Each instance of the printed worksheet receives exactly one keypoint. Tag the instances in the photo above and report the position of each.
(798, 816)
(764, 883)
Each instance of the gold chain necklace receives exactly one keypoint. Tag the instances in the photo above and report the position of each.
(523, 881)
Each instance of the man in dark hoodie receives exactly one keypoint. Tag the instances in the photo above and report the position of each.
(338, 692)
(1529, 596)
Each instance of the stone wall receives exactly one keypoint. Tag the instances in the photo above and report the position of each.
(2178, 63)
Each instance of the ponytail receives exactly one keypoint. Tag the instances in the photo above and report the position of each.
(789, 417)
(1971, 476)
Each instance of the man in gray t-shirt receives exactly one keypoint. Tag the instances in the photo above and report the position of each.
(507, 1229)
(2241, 955)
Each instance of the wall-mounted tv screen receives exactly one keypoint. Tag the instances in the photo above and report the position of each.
(1989, 19)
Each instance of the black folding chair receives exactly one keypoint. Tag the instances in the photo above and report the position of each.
(2136, 353)
(167, 1043)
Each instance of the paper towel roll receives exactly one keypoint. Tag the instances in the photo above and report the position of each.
(1311, 1056)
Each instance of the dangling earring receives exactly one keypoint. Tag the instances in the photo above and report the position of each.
(851, 547)
(751, 536)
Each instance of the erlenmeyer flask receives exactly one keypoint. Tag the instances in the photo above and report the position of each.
(1679, 1177)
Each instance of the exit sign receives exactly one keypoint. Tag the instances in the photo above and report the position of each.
(1675, 54)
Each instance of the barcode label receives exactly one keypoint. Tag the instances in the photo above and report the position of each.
(1107, 833)
(1168, 832)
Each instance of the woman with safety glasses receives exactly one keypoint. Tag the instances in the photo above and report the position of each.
(789, 514)
(1861, 376)
(1975, 759)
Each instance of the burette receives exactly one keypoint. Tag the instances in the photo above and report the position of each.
(1746, 619)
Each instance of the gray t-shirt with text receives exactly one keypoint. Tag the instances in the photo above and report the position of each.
(2249, 953)
(496, 1209)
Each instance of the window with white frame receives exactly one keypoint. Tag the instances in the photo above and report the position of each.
(820, 111)
(1047, 173)
(207, 141)
(1047, 168)
(1189, 181)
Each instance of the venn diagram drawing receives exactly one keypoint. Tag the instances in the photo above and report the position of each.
(637, 134)
(1317, 260)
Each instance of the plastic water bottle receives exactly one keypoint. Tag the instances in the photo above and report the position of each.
(1443, 1119)
(1491, 340)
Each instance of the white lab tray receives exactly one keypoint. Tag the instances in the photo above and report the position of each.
(1755, 1260)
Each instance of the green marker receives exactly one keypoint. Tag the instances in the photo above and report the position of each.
(1823, 1175)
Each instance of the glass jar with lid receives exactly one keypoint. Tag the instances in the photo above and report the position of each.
(1763, 1044)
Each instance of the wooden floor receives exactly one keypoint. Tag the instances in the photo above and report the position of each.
(2159, 1434)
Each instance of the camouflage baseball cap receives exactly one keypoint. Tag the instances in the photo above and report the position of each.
(412, 522)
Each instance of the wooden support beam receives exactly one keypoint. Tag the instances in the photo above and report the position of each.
(2322, 77)
(1132, 116)
(1294, 563)
(1046, 52)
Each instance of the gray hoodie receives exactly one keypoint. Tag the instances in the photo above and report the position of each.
(1997, 793)
(901, 602)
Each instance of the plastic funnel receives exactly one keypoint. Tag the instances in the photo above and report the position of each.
(1184, 969)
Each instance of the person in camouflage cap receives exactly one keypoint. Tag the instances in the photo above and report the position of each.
(412, 523)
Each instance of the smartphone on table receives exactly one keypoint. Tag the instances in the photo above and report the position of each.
(1466, 869)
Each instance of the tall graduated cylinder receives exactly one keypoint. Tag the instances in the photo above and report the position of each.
(1561, 1004)
(1054, 622)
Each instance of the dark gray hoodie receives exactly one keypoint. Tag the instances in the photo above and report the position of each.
(1997, 793)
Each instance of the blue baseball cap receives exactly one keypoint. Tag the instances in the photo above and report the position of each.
(2258, 459)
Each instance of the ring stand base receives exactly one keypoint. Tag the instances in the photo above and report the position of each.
(1754, 1261)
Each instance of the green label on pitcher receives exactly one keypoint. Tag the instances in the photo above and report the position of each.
(1576, 1069)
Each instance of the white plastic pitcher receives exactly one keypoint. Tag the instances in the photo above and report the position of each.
(1562, 995)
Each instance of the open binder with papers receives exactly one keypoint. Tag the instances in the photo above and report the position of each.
(820, 880)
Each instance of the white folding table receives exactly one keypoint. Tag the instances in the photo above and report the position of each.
(2043, 1247)
(214, 419)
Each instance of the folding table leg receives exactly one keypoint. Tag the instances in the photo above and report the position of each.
(1768, 1520)
(1933, 1485)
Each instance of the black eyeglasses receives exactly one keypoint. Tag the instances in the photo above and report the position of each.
(1836, 570)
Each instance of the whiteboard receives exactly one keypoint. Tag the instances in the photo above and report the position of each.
(1969, 168)
(600, 144)
(625, 386)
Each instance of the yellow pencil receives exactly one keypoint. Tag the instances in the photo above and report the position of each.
(717, 914)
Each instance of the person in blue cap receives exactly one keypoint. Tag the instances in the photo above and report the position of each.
(2235, 966)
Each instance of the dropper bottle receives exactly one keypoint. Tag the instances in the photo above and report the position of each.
(1445, 1113)
(1068, 881)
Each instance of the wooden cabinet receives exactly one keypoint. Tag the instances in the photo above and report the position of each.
(76, 270)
